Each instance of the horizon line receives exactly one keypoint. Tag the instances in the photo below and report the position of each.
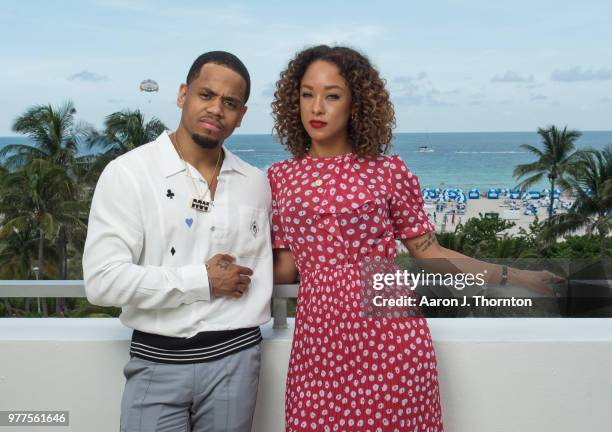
(424, 132)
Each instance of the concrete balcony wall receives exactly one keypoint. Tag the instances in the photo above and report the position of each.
(503, 375)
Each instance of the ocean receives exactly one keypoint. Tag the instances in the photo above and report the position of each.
(465, 160)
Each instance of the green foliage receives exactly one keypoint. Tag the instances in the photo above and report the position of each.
(84, 309)
(554, 160)
(54, 132)
(45, 194)
(483, 237)
(123, 131)
(591, 180)
(586, 246)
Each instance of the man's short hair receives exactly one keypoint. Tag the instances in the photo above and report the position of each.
(221, 58)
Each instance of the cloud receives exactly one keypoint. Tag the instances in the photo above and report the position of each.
(346, 34)
(577, 74)
(228, 15)
(409, 78)
(530, 86)
(408, 97)
(512, 77)
(536, 97)
(87, 76)
(421, 93)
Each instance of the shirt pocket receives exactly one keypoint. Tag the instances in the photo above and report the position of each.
(253, 232)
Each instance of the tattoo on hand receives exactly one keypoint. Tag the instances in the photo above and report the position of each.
(223, 264)
(425, 244)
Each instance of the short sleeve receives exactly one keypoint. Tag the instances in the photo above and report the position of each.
(278, 237)
(406, 206)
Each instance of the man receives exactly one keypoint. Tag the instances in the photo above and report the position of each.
(179, 237)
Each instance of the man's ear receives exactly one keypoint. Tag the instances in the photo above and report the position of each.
(182, 94)
(244, 110)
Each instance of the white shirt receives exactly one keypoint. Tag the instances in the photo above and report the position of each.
(146, 247)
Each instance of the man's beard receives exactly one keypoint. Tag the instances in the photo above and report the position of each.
(204, 142)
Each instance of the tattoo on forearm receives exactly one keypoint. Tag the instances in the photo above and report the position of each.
(426, 243)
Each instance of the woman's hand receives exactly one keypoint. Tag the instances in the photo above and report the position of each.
(538, 281)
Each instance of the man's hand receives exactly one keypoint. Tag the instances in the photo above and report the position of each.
(226, 278)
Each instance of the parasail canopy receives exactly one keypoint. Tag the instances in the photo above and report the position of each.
(149, 86)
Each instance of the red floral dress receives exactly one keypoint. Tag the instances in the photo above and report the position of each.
(347, 371)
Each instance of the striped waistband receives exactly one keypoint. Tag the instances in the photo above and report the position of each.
(203, 347)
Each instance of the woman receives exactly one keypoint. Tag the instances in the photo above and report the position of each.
(337, 204)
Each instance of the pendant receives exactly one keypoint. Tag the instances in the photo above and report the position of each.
(201, 205)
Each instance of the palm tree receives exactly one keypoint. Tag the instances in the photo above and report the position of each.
(18, 249)
(123, 131)
(553, 161)
(53, 132)
(591, 180)
(41, 195)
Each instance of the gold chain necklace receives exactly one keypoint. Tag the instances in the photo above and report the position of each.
(198, 203)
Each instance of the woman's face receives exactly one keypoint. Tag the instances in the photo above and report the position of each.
(325, 103)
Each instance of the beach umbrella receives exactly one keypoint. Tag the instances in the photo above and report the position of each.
(429, 193)
(533, 194)
(515, 194)
(474, 194)
(461, 198)
(493, 194)
(451, 193)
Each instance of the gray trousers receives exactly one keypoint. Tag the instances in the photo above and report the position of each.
(202, 397)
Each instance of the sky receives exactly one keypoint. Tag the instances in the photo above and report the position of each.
(450, 66)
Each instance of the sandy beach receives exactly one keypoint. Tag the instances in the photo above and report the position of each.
(485, 205)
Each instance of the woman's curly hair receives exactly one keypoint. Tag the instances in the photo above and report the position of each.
(371, 119)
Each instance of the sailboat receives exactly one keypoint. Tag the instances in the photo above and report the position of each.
(426, 148)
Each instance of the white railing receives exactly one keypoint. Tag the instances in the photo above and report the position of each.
(76, 289)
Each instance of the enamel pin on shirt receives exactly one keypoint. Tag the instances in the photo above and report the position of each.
(200, 205)
(254, 228)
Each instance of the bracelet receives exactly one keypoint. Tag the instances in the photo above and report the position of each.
(504, 275)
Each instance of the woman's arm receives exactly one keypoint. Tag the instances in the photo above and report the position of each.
(440, 259)
(284, 269)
